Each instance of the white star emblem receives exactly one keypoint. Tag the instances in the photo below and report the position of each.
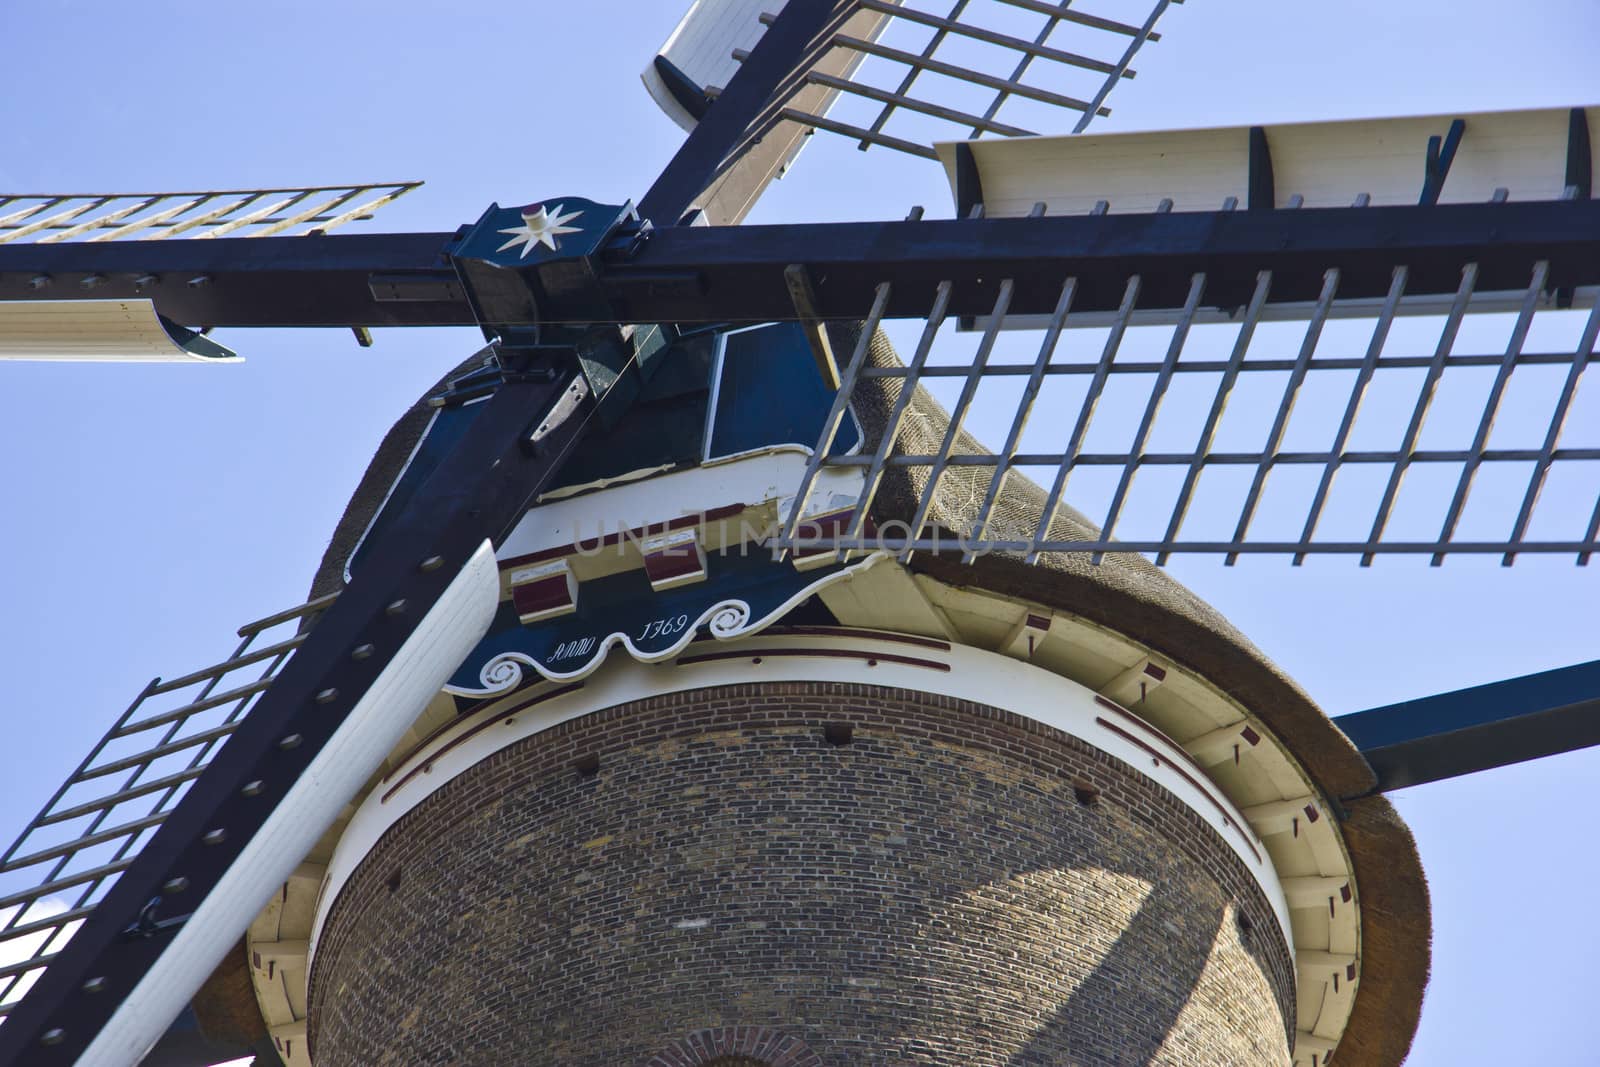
(540, 227)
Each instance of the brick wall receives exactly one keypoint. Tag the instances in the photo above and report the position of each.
(934, 891)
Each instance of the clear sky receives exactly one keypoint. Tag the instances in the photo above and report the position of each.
(148, 511)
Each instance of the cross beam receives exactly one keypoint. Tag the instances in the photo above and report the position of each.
(1476, 729)
(737, 273)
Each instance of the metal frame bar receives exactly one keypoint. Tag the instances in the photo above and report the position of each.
(837, 412)
(1130, 297)
(1023, 63)
(1212, 366)
(1291, 391)
(1065, 13)
(910, 76)
(1358, 392)
(891, 428)
(1199, 548)
(1241, 344)
(1491, 406)
(1030, 394)
(1226, 459)
(975, 77)
(1031, 49)
(1419, 414)
(1127, 57)
(1558, 422)
(717, 274)
(866, 136)
(1158, 392)
(1592, 537)
(958, 414)
(911, 103)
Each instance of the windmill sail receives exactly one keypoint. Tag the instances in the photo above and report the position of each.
(893, 75)
(56, 217)
(91, 314)
(1203, 349)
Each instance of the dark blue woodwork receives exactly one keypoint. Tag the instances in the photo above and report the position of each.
(1441, 153)
(255, 281)
(735, 274)
(969, 186)
(691, 97)
(1261, 193)
(1494, 725)
(735, 118)
(770, 393)
(1580, 165)
(653, 623)
(518, 268)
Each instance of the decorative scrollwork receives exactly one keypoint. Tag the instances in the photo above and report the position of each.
(504, 672)
(728, 619)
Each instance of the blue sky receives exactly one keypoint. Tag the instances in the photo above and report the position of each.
(150, 510)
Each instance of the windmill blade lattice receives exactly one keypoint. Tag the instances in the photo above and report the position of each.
(73, 851)
(1009, 69)
(1218, 497)
(879, 72)
(51, 218)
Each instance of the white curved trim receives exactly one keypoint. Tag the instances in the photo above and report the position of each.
(726, 620)
(748, 481)
(974, 675)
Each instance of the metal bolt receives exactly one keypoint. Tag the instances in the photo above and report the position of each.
(53, 1037)
(433, 563)
(94, 985)
(93, 281)
(215, 837)
(39, 281)
(175, 885)
(291, 741)
(199, 280)
(253, 789)
(361, 652)
(327, 696)
(398, 607)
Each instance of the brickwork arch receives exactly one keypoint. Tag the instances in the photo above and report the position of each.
(736, 1046)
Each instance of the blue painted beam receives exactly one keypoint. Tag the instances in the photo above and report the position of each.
(750, 99)
(736, 273)
(1470, 730)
